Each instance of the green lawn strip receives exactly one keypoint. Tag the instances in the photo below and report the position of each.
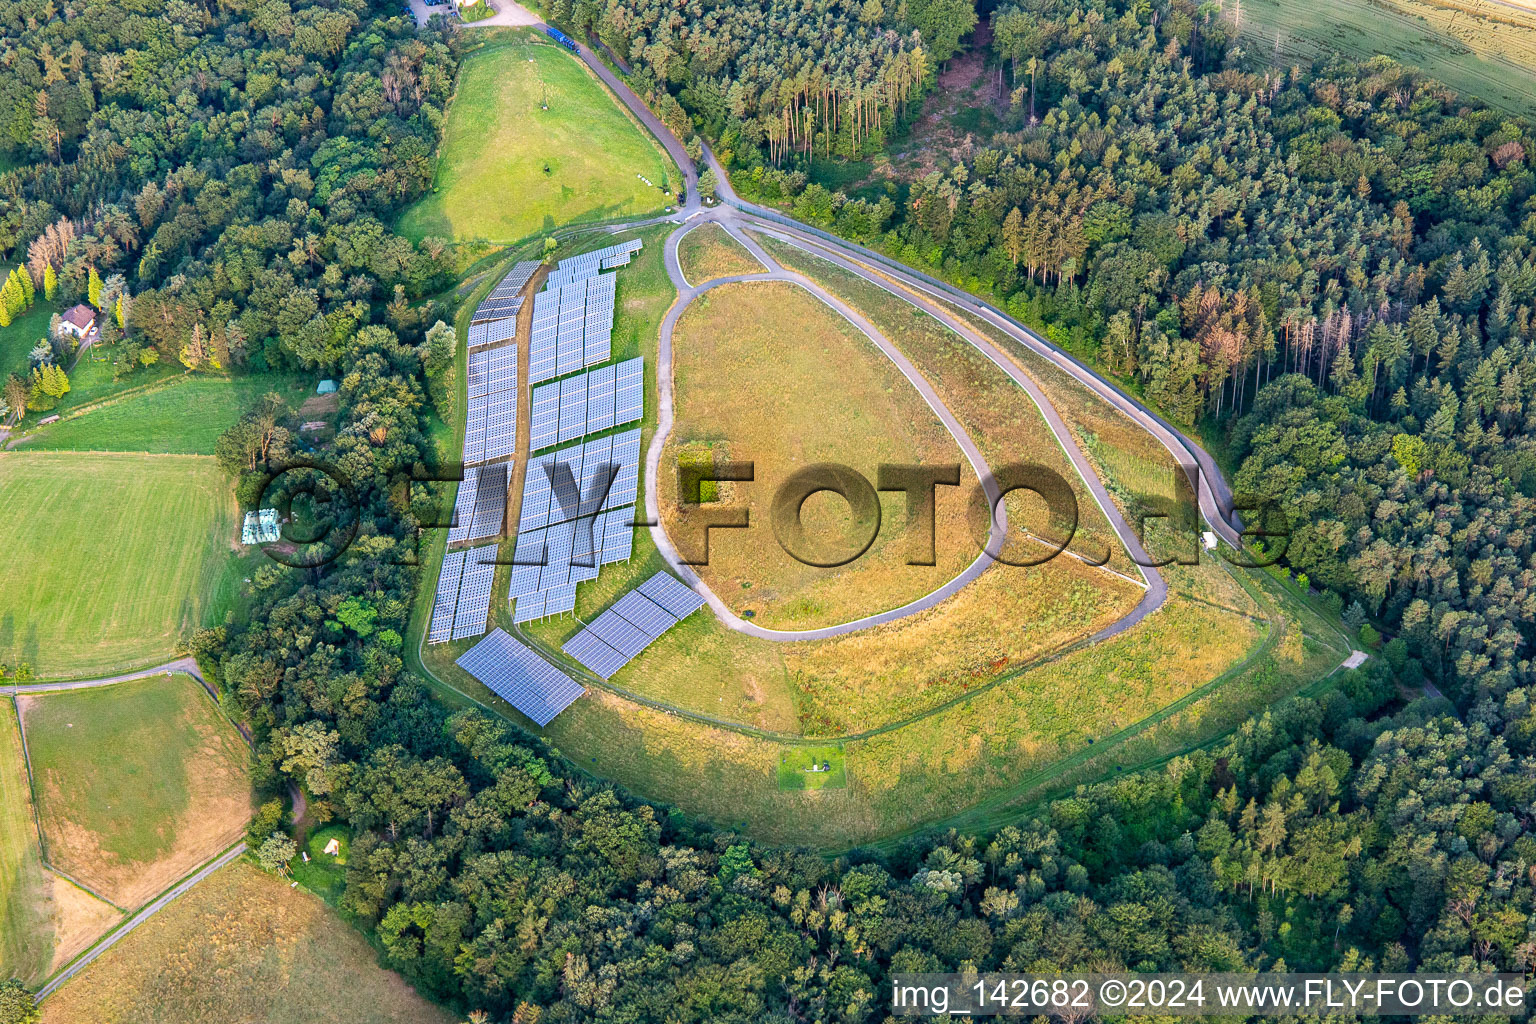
(183, 415)
(113, 558)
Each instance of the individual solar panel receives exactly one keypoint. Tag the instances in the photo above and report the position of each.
(618, 535)
(573, 408)
(629, 391)
(479, 373)
(501, 426)
(600, 399)
(598, 330)
(672, 594)
(475, 592)
(447, 598)
(529, 564)
(518, 675)
(464, 506)
(544, 424)
(557, 545)
(529, 607)
(599, 658)
(614, 630)
(597, 474)
(536, 495)
(560, 601)
(474, 431)
(625, 455)
(542, 346)
(586, 548)
(490, 502)
(501, 369)
(644, 614)
(564, 471)
(494, 332)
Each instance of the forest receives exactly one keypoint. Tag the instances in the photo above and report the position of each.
(1330, 266)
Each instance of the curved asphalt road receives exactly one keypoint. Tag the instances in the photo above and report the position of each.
(686, 293)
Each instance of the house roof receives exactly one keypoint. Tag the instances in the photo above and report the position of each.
(81, 316)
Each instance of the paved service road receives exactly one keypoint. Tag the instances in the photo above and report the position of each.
(187, 665)
(143, 915)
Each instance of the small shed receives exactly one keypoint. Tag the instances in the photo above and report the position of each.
(333, 847)
(327, 387)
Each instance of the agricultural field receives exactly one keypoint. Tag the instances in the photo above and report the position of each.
(1477, 47)
(241, 946)
(847, 404)
(535, 142)
(707, 252)
(112, 558)
(137, 783)
(26, 927)
(180, 415)
(45, 919)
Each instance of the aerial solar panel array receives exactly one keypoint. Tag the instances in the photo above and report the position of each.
(490, 432)
(634, 622)
(573, 314)
(589, 403)
(490, 490)
(447, 597)
(518, 675)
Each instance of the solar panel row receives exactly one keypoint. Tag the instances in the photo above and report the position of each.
(490, 489)
(632, 624)
(475, 592)
(516, 674)
(504, 300)
(447, 597)
(464, 506)
(491, 431)
(579, 268)
(493, 332)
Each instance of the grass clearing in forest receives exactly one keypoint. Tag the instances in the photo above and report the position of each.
(534, 142)
(185, 416)
(241, 946)
(707, 252)
(112, 558)
(137, 783)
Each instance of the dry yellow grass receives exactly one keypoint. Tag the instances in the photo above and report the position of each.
(772, 375)
(920, 772)
(707, 252)
(137, 783)
(79, 919)
(241, 947)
